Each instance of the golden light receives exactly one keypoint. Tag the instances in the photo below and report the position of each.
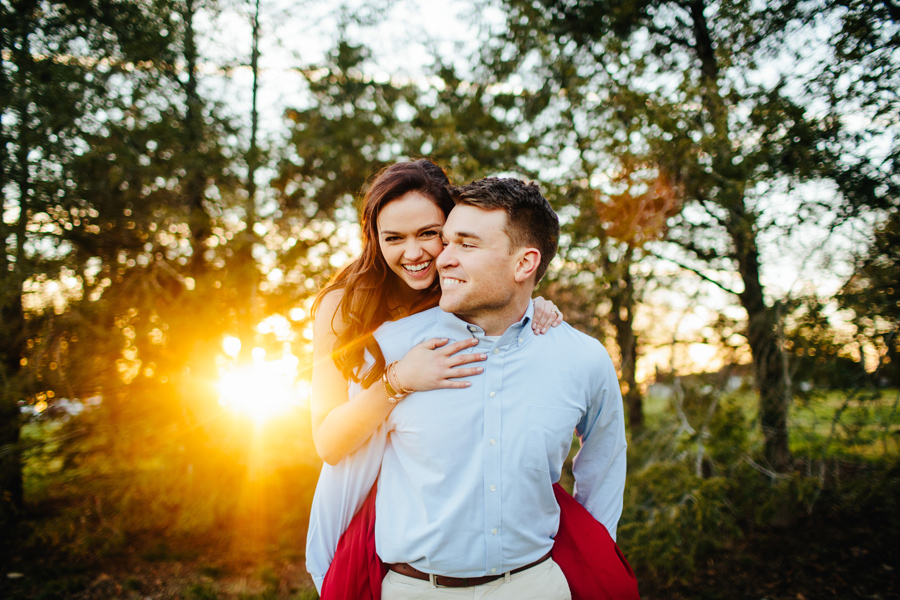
(263, 389)
(232, 346)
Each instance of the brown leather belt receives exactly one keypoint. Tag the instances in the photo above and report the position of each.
(444, 581)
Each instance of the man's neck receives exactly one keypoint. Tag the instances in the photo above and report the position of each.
(497, 321)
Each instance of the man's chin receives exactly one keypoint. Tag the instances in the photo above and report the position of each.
(449, 304)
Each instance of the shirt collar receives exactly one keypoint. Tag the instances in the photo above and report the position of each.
(516, 335)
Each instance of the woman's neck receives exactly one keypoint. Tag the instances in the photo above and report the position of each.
(403, 301)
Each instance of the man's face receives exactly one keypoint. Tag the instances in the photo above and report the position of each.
(476, 268)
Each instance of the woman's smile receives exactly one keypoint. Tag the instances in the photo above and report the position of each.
(418, 268)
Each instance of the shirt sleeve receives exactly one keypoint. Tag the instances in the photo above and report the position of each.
(599, 466)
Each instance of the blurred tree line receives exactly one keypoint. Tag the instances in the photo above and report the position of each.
(144, 220)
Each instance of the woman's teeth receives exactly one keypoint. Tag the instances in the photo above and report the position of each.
(417, 268)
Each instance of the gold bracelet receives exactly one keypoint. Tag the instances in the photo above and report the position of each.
(403, 390)
(392, 396)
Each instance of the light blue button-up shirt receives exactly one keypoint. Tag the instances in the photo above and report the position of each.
(471, 470)
(466, 480)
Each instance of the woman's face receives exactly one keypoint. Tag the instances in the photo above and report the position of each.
(409, 236)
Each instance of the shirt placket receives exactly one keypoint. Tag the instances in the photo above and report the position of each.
(493, 458)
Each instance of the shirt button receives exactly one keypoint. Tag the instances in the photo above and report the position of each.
(493, 488)
(493, 442)
(496, 350)
(472, 328)
(494, 531)
(494, 570)
(520, 340)
(493, 394)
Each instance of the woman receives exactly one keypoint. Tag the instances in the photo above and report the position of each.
(401, 218)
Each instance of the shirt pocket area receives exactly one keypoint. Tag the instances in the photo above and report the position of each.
(549, 437)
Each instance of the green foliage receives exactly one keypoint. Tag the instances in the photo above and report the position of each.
(673, 519)
(201, 591)
(697, 486)
(860, 422)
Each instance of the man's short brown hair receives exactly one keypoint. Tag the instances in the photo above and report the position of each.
(530, 221)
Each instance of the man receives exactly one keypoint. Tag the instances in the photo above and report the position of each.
(465, 497)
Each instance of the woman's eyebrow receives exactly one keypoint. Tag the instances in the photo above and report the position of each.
(431, 226)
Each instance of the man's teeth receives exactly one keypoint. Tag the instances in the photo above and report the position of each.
(451, 281)
(418, 267)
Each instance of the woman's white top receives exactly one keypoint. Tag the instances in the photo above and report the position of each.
(340, 493)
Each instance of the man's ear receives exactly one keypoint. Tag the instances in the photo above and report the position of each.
(527, 263)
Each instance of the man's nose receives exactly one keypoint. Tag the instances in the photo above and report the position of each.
(446, 258)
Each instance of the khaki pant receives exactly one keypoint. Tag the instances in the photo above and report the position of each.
(541, 582)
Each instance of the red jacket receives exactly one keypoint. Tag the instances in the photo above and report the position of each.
(591, 561)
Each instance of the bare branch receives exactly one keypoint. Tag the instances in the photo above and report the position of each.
(694, 271)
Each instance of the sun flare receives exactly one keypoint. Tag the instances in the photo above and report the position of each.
(263, 389)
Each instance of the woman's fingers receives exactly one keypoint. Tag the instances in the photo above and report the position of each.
(558, 320)
(461, 345)
(464, 359)
(452, 384)
(467, 372)
(541, 313)
(546, 315)
(434, 343)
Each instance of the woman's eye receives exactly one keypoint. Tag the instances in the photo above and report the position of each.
(392, 238)
(429, 234)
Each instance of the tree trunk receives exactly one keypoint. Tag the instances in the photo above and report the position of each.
(762, 331)
(195, 186)
(768, 359)
(12, 315)
(622, 317)
(248, 284)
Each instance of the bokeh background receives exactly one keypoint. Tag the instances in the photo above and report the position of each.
(179, 177)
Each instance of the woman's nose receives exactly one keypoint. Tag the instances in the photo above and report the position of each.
(413, 251)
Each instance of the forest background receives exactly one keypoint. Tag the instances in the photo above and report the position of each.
(179, 177)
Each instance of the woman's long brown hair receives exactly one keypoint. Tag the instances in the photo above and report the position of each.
(366, 280)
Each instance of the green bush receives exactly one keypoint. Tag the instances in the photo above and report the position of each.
(672, 519)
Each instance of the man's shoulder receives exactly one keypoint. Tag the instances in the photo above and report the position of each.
(407, 328)
(576, 344)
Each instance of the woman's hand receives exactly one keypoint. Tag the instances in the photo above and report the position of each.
(433, 365)
(546, 315)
